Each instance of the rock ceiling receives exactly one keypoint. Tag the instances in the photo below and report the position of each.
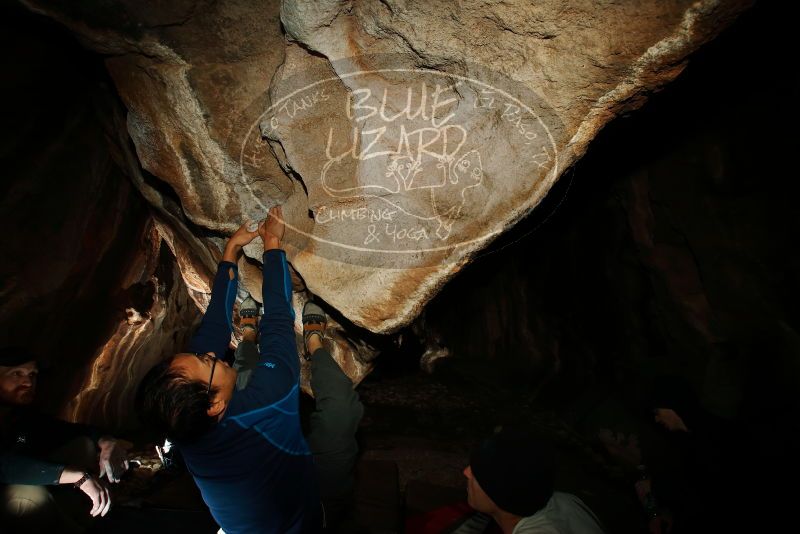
(401, 136)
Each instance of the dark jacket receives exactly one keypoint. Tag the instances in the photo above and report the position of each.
(27, 439)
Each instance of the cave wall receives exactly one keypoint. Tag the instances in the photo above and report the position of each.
(234, 107)
(669, 249)
(84, 282)
(206, 85)
(634, 265)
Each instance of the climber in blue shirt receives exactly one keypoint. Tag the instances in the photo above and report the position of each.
(243, 442)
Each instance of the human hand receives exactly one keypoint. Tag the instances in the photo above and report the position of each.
(624, 450)
(271, 230)
(113, 458)
(243, 235)
(98, 493)
(240, 238)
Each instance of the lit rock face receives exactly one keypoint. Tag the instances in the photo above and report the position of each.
(78, 246)
(143, 338)
(401, 137)
(141, 341)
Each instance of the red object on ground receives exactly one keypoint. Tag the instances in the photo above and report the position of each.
(443, 520)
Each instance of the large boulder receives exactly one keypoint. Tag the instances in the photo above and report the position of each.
(401, 137)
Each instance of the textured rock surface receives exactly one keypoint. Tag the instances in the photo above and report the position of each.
(196, 261)
(159, 327)
(73, 222)
(669, 250)
(198, 77)
(94, 280)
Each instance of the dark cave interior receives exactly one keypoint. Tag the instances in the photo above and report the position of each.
(665, 251)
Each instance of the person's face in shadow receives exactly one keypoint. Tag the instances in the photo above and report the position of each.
(669, 419)
(18, 383)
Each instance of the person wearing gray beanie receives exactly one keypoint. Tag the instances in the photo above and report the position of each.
(511, 478)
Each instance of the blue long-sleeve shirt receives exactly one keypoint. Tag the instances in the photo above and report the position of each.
(214, 333)
(254, 468)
